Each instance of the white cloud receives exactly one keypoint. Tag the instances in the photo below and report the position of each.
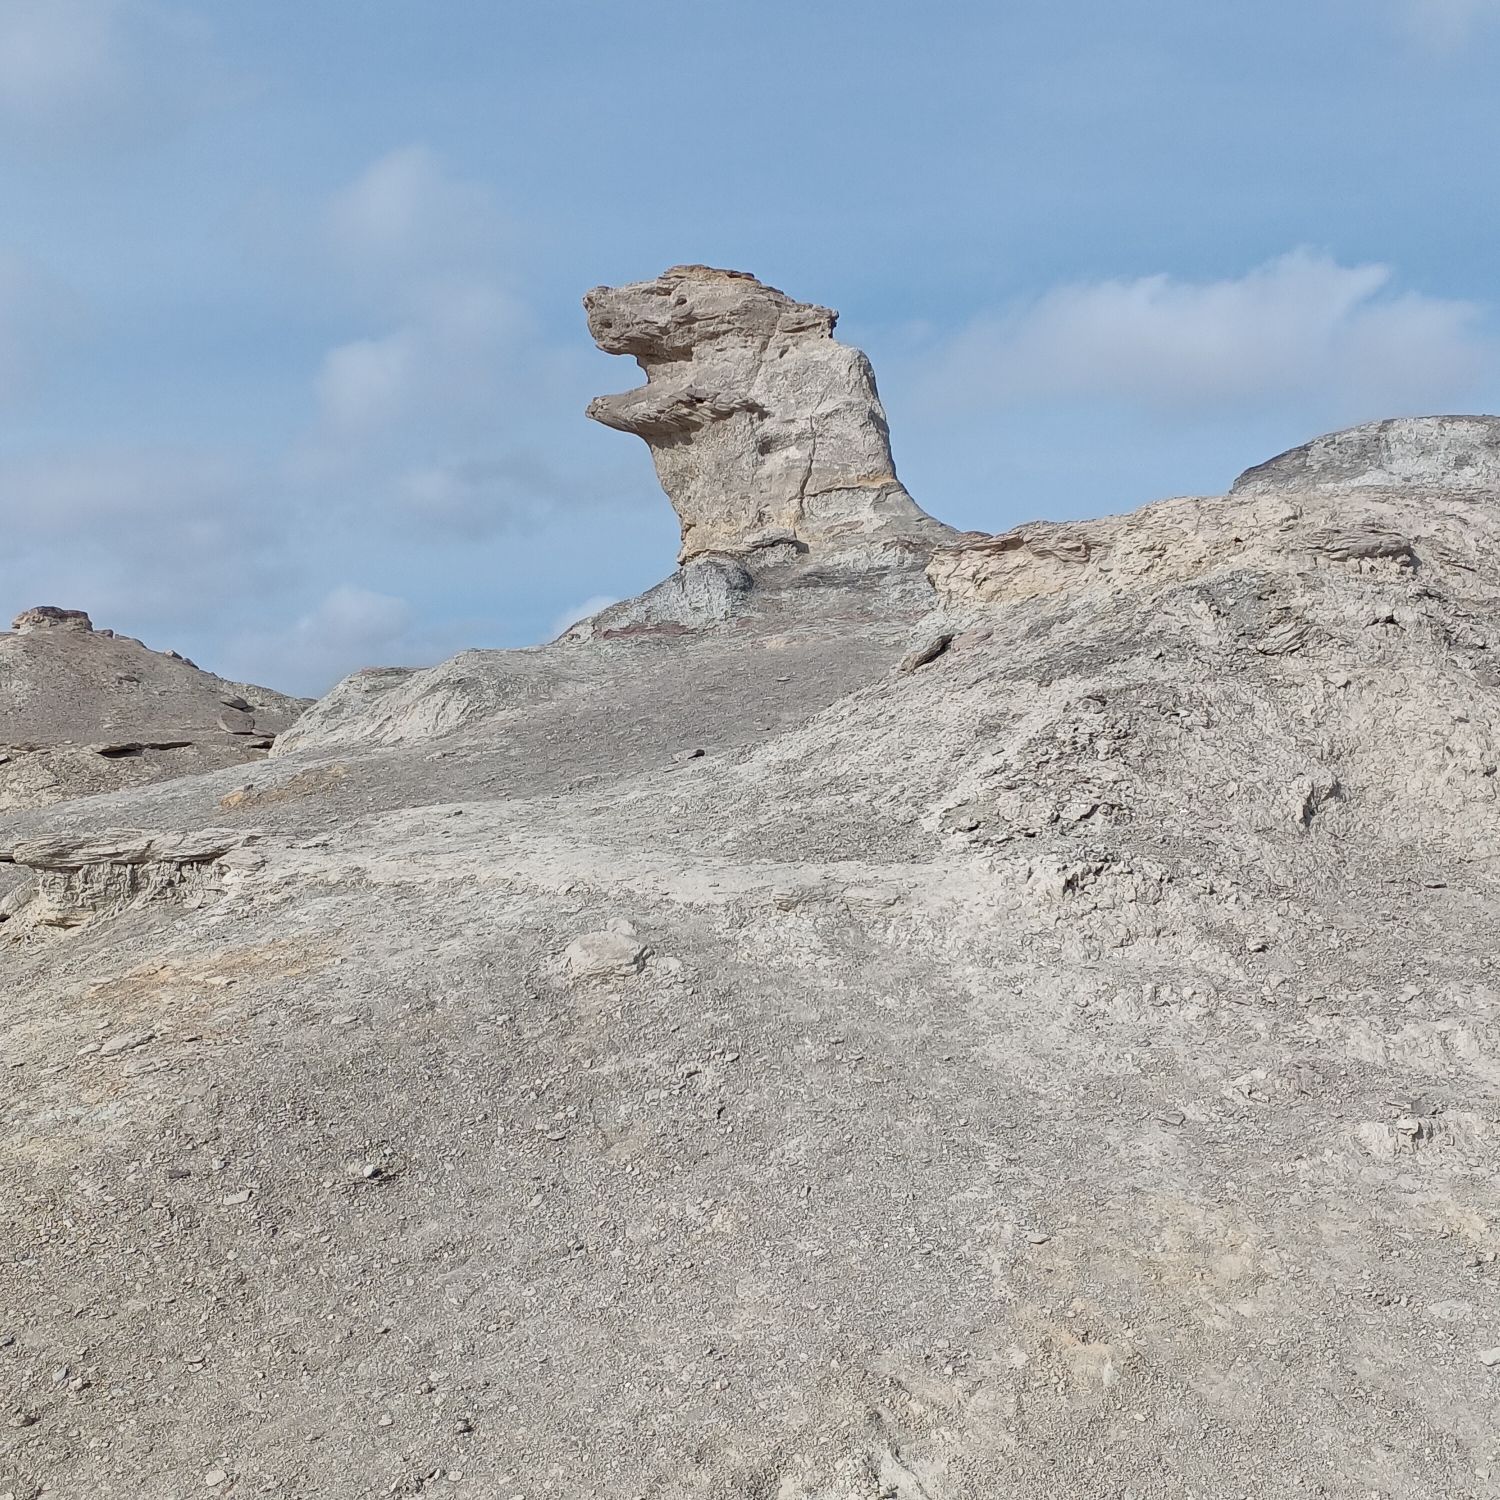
(366, 383)
(447, 412)
(99, 70)
(580, 611)
(479, 497)
(442, 365)
(349, 628)
(406, 213)
(1301, 328)
(1445, 25)
(443, 341)
(350, 617)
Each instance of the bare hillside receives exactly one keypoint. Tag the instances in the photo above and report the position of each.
(888, 1013)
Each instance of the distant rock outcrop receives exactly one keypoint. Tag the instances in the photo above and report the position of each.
(85, 711)
(763, 427)
(1405, 453)
(49, 617)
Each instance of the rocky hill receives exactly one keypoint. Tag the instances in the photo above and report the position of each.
(85, 711)
(888, 1013)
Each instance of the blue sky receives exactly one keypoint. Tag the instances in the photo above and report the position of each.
(292, 364)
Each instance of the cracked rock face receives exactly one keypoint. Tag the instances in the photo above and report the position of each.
(763, 427)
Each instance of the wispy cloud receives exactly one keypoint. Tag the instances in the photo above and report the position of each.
(447, 408)
(349, 627)
(185, 529)
(95, 72)
(407, 216)
(1342, 339)
(442, 414)
(1443, 26)
(39, 317)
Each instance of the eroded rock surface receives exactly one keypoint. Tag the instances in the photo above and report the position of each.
(763, 427)
(78, 878)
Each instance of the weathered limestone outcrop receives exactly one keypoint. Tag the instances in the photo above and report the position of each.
(763, 427)
(80, 877)
(1408, 454)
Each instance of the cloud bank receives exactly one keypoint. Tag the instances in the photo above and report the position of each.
(1302, 328)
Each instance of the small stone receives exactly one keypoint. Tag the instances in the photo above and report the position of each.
(233, 1200)
(125, 1041)
(462, 1425)
(691, 755)
(1036, 1237)
(385, 1419)
(1172, 1117)
(215, 1477)
(1490, 1357)
(930, 651)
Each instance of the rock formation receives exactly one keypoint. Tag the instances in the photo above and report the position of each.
(85, 710)
(764, 428)
(1030, 1029)
(1405, 455)
(49, 617)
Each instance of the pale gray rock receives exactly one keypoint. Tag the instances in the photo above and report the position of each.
(1404, 453)
(614, 953)
(704, 591)
(764, 429)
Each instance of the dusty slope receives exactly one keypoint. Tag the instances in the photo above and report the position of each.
(85, 711)
(1066, 1067)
